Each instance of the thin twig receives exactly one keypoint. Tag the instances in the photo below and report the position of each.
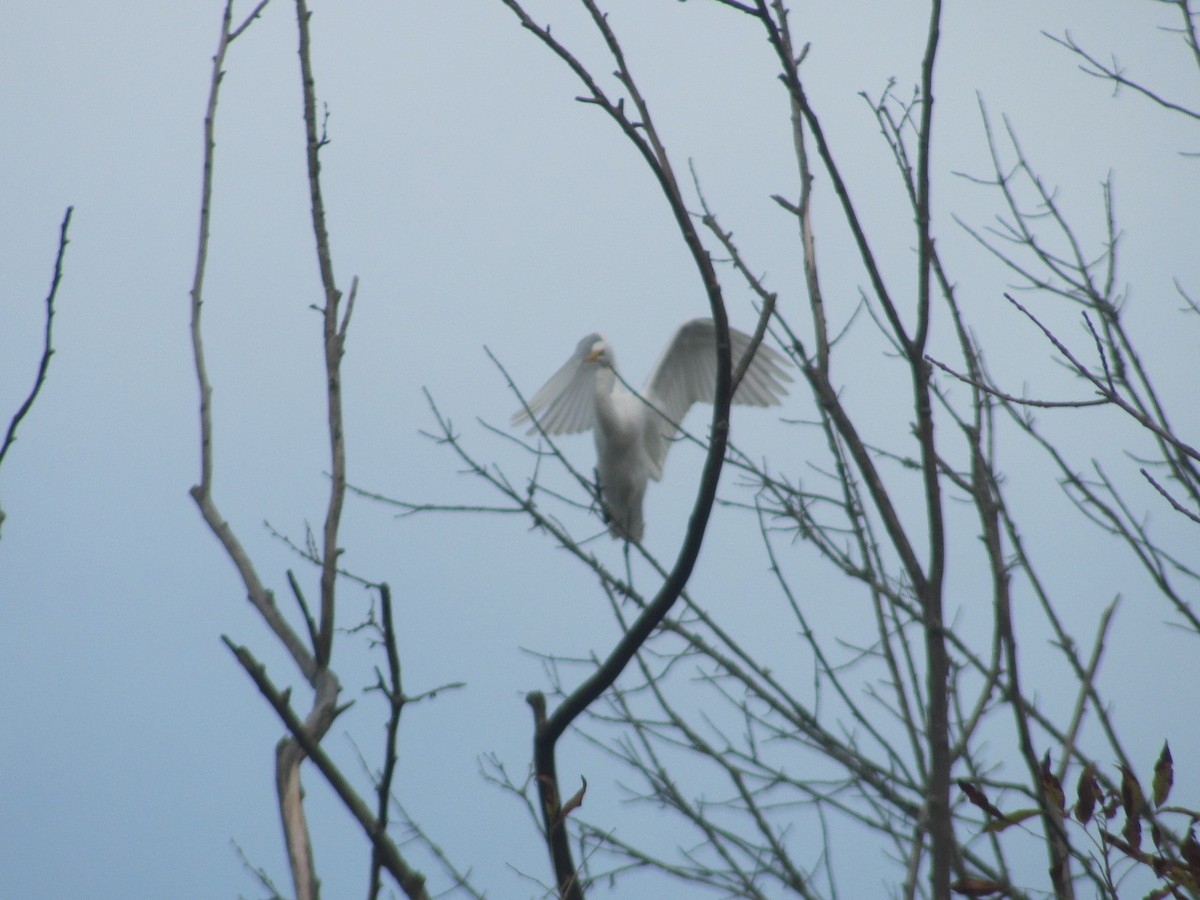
(47, 342)
(1179, 507)
(1116, 75)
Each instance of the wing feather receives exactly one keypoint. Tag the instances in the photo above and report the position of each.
(687, 374)
(566, 404)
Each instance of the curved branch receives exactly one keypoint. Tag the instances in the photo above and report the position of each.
(548, 729)
(39, 380)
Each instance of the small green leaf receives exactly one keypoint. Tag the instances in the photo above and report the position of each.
(1164, 775)
(1013, 818)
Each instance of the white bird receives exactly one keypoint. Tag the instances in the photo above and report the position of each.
(634, 432)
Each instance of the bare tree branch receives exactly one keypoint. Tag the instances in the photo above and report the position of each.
(548, 728)
(43, 368)
(314, 662)
(1114, 73)
(410, 881)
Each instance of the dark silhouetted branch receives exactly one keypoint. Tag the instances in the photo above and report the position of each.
(43, 368)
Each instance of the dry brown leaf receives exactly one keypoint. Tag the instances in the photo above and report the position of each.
(1052, 787)
(979, 798)
(1087, 792)
(978, 887)
(572, 804)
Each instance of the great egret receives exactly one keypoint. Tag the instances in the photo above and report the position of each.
(634, 433)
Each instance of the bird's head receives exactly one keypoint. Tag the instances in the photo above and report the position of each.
(595, 349)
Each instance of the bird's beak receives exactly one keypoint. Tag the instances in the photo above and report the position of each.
(593, 356)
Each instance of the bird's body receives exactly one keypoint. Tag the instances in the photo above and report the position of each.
(633, 433)
(621, 460)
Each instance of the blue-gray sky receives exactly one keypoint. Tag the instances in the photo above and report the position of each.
(479, 205)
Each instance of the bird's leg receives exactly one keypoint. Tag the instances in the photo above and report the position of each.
(628, 569)
(598, 493)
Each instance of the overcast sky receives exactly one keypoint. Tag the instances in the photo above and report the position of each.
(480, 206)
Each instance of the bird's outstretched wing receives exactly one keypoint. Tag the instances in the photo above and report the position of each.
(566, 403)
(687, 374)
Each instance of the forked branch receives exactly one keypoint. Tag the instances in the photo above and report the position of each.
(311, 656)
